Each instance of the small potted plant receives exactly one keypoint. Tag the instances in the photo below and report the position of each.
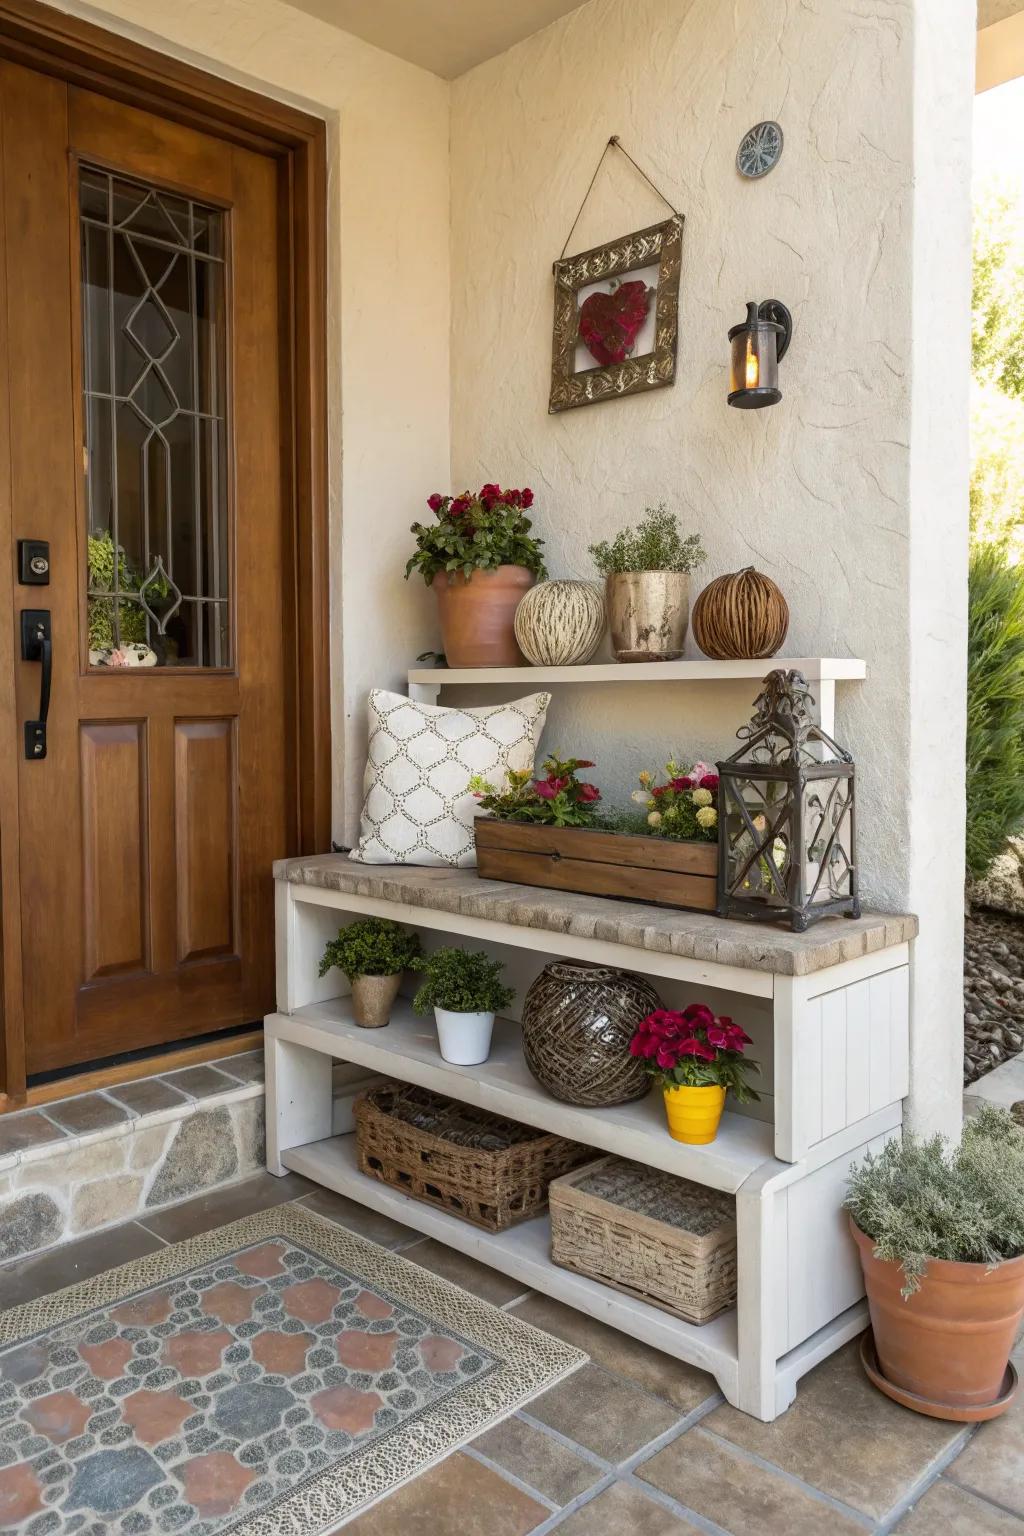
(697, 1058)
(480, 558)
(464, 989)
(372, 952)
(647, 585)
(558, 799)
(940, 1232)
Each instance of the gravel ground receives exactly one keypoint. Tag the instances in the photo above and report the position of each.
(993, 991)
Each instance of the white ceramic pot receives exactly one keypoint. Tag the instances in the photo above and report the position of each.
(464, 1038)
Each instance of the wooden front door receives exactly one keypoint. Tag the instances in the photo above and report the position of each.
(140, 343)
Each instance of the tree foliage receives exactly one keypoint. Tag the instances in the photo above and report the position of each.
(995, 705)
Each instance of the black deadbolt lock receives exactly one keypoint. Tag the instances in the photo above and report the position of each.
(33, 562)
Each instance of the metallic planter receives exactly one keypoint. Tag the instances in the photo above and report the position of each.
(373, 998)
(647, 614)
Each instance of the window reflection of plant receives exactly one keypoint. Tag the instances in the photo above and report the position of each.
(131, 625)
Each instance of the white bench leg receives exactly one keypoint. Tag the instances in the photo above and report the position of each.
(299, 1098)
(757, 1331)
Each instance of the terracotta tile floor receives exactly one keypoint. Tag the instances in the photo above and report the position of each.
(637, 1445)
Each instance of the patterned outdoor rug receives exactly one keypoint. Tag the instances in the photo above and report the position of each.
(264, 1379)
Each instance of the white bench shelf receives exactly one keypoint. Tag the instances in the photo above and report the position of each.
(831, 1010)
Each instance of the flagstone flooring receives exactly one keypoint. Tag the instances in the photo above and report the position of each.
(634, 1444)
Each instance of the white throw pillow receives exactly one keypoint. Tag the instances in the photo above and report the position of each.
(417, 808)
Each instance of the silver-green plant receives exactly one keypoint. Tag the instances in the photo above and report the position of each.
(655, 544)
(923, 1199)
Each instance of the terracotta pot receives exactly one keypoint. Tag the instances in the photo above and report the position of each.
(372, 999)
(694, 1114)
(478, 616)
(647, 614)
(950, 1341)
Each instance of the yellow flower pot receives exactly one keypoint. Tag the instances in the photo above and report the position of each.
(694, 1113)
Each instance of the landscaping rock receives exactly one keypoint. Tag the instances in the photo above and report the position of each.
(993, 989)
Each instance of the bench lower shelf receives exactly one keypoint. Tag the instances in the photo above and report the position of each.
(524, 1254)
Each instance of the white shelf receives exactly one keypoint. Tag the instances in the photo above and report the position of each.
(407, 1049)
(814, 669)
(523, 1253)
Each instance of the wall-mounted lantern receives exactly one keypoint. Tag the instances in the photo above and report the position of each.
(758, 346)
(786, 815)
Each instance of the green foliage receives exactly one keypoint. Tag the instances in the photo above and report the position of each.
(559, 799)
(462, 981)
(997, 368)
(476, 533)
(372, 946)
(655, 544)
(131, 626)
(995, 706)
(921, 1200)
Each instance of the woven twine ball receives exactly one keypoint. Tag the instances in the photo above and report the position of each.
(560, 623)
(740, 617)
(577, 1024)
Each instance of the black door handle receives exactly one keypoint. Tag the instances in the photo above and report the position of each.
(37, 645)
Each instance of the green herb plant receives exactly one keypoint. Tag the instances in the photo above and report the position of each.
(558, 799)
(655, 544)
(922, 1199)
(462, 981)
(372, 946)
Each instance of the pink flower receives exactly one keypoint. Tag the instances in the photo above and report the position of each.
(549, 788)
(490, 492)
(589, 793)
(526, 500)
(698, 1015)
(709, 781)
(435, 502)
(667, 1056)
(459, 505)
(696, 1048)
(717, 1037)
(700, 771)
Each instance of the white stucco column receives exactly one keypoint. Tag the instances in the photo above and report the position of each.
(943, 86)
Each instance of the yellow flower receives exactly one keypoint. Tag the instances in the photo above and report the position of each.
(702, 797)
(654, 819)
(707, 816)
(760, 824)
(646, 779)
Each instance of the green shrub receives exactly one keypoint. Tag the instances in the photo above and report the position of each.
(655, 544)
(922, 1200)
(995, 706)
(373, 946)
(462, 981)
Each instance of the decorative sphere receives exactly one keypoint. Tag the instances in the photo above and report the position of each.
(740, 617)
(560, 623)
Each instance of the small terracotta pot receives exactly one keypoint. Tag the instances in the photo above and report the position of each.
(478, 615)
(372, 999)
(694, 1113)
(950, 1341)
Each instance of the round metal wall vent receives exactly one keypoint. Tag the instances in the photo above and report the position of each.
(760, 150)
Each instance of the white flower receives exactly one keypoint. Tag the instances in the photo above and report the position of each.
(760, 824)
(702, 797)
(654, 819)
(707, 816)
(641, 797)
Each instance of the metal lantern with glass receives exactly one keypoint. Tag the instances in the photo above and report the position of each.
(786, 814)
(759, 344)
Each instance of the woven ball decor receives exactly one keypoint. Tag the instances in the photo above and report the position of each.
(560, 623)
(578, 1021)
(740, 617)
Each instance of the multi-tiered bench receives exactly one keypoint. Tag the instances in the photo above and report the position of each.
(829, 1015)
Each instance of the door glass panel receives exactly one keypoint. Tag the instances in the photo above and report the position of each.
(154, 351)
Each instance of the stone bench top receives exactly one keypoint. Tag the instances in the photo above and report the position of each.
(691, 935)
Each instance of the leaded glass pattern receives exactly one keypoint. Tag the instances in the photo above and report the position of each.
(154, 372)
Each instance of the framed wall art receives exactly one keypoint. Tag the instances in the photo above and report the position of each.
(616, 317)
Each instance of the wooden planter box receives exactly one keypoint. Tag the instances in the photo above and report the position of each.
(624, 864)
(665, 1240)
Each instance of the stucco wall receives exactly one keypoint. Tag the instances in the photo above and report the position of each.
(817, 492)
(388, 307)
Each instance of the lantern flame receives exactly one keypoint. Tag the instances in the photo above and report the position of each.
(753, 368)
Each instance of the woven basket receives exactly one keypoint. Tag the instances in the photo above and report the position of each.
(578, 1021)
(489, 1171)
(661, 1239)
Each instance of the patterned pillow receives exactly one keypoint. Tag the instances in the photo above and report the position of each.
(417, 807)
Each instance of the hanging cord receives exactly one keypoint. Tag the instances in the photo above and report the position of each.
(613, 142)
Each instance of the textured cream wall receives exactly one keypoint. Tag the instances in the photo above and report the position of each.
(816, 492)
(388, 308)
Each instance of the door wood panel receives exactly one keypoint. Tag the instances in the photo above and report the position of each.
(115, 896)
(148, 832)
(205, 824)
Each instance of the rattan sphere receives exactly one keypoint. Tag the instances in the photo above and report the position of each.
(578, 1021)
(560, 623)
(740, 617)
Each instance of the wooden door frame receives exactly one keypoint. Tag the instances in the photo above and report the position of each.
(50, 42)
